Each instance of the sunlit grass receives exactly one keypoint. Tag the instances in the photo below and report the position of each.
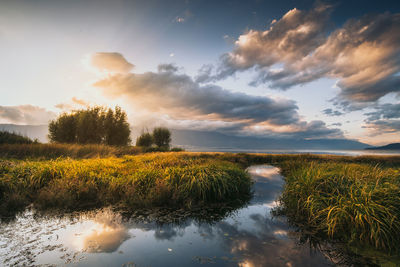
(143, 180)
(351, 199)
(355, 203)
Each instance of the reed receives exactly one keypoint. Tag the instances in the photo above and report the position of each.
(155, 179)
(352, 202)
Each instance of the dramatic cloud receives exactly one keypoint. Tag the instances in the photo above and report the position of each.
(290, 39)
(110, 62)
(386, 119)
(25, 114)
(385, 111)
(182, 98)
(363, 55)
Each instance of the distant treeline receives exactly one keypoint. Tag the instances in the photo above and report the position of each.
(14, 138)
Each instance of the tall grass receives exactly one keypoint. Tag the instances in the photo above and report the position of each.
(144, 180)
(352, 199)
(77, 151)
(53, 151)
(351, 202)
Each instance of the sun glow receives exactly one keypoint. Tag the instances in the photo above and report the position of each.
(101, 235)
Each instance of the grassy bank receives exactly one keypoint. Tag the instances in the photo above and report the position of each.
(155, 179)
(356, 203)
(354, 200)
(53, 151)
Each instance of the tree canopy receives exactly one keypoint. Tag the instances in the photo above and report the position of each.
(96, 125)
(162, 137)
(145, 140)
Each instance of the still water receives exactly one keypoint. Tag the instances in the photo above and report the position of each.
(249, 236)
(297, 151)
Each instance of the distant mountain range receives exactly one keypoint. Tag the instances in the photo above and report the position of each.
(202, 140)
(214, 141)
(394, 146)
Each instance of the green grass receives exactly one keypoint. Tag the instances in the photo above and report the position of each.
(357, 203)
(354, 200)
(157, 179)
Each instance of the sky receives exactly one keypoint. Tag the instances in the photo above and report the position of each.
(287, 69)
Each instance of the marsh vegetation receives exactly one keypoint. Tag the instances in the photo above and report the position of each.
(145, 180)
(353, 201)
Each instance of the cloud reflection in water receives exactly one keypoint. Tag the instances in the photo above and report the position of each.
(104, 234)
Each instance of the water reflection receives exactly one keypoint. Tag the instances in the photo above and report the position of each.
(249, 236)
(104, 234)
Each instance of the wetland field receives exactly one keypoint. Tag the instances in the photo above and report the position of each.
(195, 209)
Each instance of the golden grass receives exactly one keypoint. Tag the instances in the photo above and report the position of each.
(53, 151)
(352, 199)
(352, 202)
(154, 179)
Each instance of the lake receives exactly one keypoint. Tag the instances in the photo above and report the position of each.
(297, 151)
(248, 236)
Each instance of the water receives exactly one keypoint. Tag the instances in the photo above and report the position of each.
(299, 151)
(250, 236)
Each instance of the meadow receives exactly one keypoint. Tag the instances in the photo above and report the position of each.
(352, 200)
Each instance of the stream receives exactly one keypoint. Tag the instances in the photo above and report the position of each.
(248, 236)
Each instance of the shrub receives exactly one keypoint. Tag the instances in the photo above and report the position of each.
(162, 137)
(144, 140)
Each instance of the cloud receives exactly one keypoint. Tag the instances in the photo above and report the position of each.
(25, 114)
(363, 55)
(167, 68)
(110, 62)
(292, 38)
(384, 111)
(383, 126)
(331, 112)
(385, 119)
(73, 104)
(182, 99)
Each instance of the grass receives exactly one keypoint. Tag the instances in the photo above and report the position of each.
(53, 151)
(157, 179)
(355, 200)
(356, 203)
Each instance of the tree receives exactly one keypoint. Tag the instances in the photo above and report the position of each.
(145, 140)
(162, 137)
(95, 125)
(121, 130)
(63, 129)
(90, 125)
